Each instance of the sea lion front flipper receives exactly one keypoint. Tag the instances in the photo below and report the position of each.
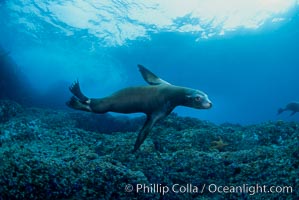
(293, 113)
(150, 77)
(149, 123)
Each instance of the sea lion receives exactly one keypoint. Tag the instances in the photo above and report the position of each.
(293, 106)
(157, 100)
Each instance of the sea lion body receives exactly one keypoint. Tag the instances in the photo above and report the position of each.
(131, 100)
(293, 106)
(144, 99)
(156, 100)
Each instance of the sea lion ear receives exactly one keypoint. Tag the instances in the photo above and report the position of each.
(150, 77)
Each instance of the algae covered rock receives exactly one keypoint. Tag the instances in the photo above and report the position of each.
(8, 109)
(46, 155)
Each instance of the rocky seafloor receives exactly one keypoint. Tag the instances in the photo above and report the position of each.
(56, 154)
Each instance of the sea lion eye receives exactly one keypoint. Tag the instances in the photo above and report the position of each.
(197, 98)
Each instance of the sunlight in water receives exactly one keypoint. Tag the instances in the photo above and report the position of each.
(116, 22)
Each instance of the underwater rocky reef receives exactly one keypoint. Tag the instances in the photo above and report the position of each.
(58, 154)
(13, 84)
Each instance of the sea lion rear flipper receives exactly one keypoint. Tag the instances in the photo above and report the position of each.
(75, 89)
(77, 104)
(150, 77)
(149, 123)
(293, 113)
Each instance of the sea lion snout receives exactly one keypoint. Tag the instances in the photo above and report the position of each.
(207, 105)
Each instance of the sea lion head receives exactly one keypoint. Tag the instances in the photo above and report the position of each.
(197, 99)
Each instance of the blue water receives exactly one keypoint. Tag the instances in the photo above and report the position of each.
(249, 70)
